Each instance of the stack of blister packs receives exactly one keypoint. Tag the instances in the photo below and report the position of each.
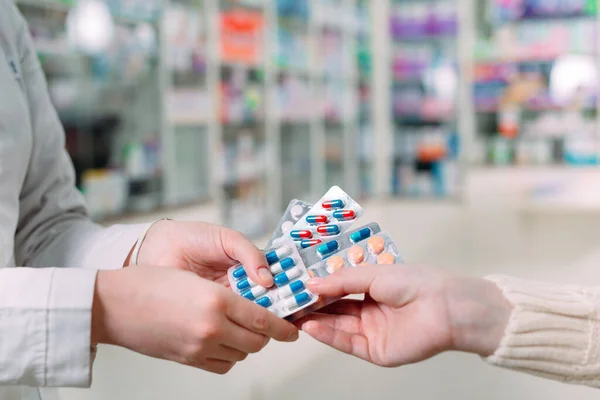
(314, 241)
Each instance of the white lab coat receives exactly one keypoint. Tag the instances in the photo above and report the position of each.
(45, 313)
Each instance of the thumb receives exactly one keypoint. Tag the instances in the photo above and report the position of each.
(345, 282)
(239, 248)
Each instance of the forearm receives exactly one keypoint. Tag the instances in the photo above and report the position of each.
(478, 314)
(543, 329)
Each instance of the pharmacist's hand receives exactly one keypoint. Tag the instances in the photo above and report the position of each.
(178, 316)
(409, 314)
(205, 249)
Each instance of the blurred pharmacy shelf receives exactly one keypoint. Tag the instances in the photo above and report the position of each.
(425, 110)
(107, 94)
(535, 83)
(247, 104)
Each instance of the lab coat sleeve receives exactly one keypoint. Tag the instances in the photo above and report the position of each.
(54, 228)
(45, 313)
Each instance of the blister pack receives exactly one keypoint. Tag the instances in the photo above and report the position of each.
(359, 248)
(330, 217)
(289, 295)
(295, 211)
(315, 255)
(378, 249)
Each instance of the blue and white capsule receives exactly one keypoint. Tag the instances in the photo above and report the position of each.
(297, 301)
(328, 248)
(254, 293)
(277, 254)
(264, 302)
(286, 277)
(361, 235)
(291, 289)
(283, 265)
(239, 273)
(246, 284)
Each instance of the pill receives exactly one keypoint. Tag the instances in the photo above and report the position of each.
(297, 301)
(265, 302)
(287, 226)
(245, 284)
(305, 244)
(344, 215)
(356, 255)
(317, 219)
(376, 245)
(297, 211)
(276, 255)
(333, 204)
(239, 273)
(254, 293)
(285, 277)
(328, 248)
(335, 263)
(299, 235)
(283, 265)
(292, 288)
(386, 259)
(361, 235)
(311, 274)
(329, 230)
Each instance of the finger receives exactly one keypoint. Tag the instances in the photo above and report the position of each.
(218, 366)
(259, 320)
(239, 248)
(344, 323)
(226, 353)
(241, 339)
(345, 282)
(356, 345)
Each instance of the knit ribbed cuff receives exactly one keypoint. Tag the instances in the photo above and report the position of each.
(553, 331)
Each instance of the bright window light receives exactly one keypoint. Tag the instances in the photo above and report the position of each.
(90, 27)
(573, 75)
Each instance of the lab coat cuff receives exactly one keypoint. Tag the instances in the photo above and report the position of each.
(69, 326)
(112, 246)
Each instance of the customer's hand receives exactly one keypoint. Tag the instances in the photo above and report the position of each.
(409, 314)
(178, 316)
(205, 249)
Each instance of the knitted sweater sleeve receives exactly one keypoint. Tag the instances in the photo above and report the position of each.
(553, 331)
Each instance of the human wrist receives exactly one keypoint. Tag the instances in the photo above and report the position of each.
(142, 252)
(478, 314)
(105, 299)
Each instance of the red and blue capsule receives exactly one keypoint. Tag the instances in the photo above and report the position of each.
(329, 230)
(301, 235)
(305, 244)
(333, 204)
(344, 215)
(317, 219)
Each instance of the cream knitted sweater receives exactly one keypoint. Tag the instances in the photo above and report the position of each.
(554, 331)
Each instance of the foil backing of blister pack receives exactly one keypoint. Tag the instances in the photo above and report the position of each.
(294, 212)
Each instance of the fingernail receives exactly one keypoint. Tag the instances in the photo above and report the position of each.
(293, 337)
(265, 275)
(315, 281)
